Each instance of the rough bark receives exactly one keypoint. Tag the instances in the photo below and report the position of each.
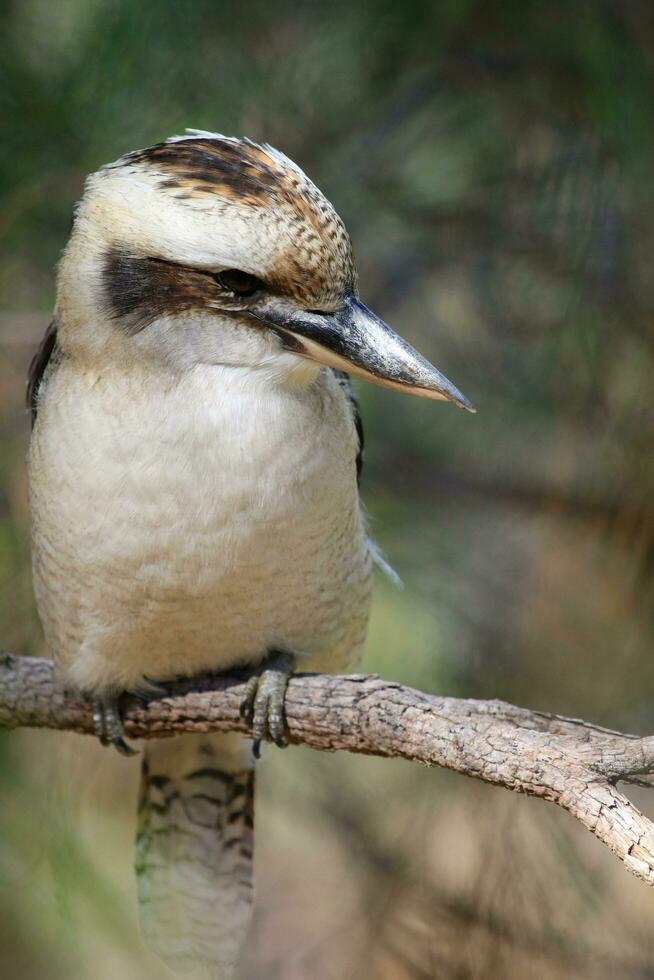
(564, 760)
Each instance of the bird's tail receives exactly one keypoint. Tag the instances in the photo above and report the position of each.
(194, 850)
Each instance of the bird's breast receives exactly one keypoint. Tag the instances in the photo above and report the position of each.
(191, 524)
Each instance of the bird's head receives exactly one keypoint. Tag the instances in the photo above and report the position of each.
(209, 249)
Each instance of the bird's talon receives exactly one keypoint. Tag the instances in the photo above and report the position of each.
(246, 707)
(121, 745)
(280, 741)
(108, 724)
(262, 704)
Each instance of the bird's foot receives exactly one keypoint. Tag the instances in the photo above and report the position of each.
(108, 723)
(262, 705)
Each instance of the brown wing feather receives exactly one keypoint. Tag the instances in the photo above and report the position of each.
(46, 351)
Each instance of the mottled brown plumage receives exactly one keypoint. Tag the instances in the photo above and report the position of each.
(320, 266)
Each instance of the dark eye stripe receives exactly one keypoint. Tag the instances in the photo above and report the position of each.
(137, 289)
(241, 283)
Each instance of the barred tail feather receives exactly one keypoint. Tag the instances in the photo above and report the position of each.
(194, 850)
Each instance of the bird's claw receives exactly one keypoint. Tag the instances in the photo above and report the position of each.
(108, 724)
(262, 705)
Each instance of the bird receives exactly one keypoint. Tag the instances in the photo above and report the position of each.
(194, 471)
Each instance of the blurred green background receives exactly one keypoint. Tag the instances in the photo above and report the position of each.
(493, 162)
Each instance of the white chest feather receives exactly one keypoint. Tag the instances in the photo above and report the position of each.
(195, 523)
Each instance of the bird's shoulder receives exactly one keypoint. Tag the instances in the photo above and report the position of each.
(345, 382)
(47, 354)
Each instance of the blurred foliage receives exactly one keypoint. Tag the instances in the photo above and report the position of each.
(492, 161)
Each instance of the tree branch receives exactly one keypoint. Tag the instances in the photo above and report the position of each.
(566, 761)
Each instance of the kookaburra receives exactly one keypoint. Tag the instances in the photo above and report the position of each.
(194, 481)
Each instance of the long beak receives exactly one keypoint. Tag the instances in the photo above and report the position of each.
(356, 341)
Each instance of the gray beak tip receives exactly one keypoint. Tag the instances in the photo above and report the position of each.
(445, 390)
(466, 405)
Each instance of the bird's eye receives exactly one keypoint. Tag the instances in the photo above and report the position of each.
(241, 283)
